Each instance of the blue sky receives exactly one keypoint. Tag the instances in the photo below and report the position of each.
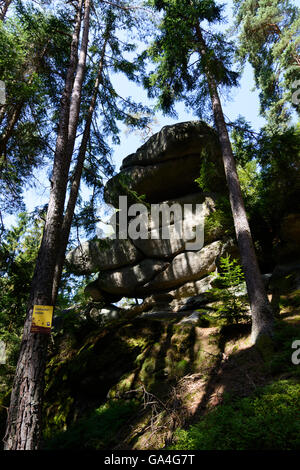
(243, 101)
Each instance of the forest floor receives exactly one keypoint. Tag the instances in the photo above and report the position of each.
(230, 367)
(137, 385)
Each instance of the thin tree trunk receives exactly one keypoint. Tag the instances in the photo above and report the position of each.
(262, 316)
(77, 87)
(68, 217)
(12, 120)
(25, 413)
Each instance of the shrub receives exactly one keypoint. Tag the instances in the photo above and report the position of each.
(232, 306)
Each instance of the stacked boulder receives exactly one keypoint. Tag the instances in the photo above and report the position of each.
(168, 271)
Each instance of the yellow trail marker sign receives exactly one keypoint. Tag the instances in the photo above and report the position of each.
(42, 319)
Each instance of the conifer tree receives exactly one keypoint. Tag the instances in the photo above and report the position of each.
(24, 423)
(193, 63)
(269, 38)
(231, 305)
(33, 52)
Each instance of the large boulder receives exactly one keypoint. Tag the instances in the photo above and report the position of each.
(185, 267)
(125, 281)
(95, 255)
(156, 182)
(173, 142)
(189, 293)
(167, 254)
(191, 288)
(98, 295)
(162, 240)
(167, 165)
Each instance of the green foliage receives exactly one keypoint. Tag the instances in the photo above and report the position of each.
(179, 68)
(17, 260)
(250, 182)
(264, 421)
(280, 362)
(220, 220)
(96, 432)
(35, 46)
(269, 39)
(279, 156)
(32, 55)
(112, 107)
(269, 172)
(232, 306)
(268, 166)
(208, 170)
(18, 253)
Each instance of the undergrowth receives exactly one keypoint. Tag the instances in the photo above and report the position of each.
(96, 431)
(269, 420)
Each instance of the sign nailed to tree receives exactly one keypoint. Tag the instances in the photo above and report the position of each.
(42, 319)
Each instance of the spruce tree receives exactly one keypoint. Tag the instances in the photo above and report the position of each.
(93, 33)
(33, 51)
(193, 63)
(268, 37)
(231, 305)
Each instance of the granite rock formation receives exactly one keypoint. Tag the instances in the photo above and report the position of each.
(167, 271)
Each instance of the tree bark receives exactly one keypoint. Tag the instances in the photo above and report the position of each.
(262, 316)
(4, 4)
(24, 422)
(69, 213)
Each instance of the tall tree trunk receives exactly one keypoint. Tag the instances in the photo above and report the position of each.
(24, 418)
(262, 316)
(4, 4)
(68, 217)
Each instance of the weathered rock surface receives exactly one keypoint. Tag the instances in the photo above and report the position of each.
(156, 182)
(104, 316)
(93, 255)
(193, 288)
(167, 165)
(174, 142)
(185, 267)
(98, 295)
(126, 280)
(167, 259)
(183, 231)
